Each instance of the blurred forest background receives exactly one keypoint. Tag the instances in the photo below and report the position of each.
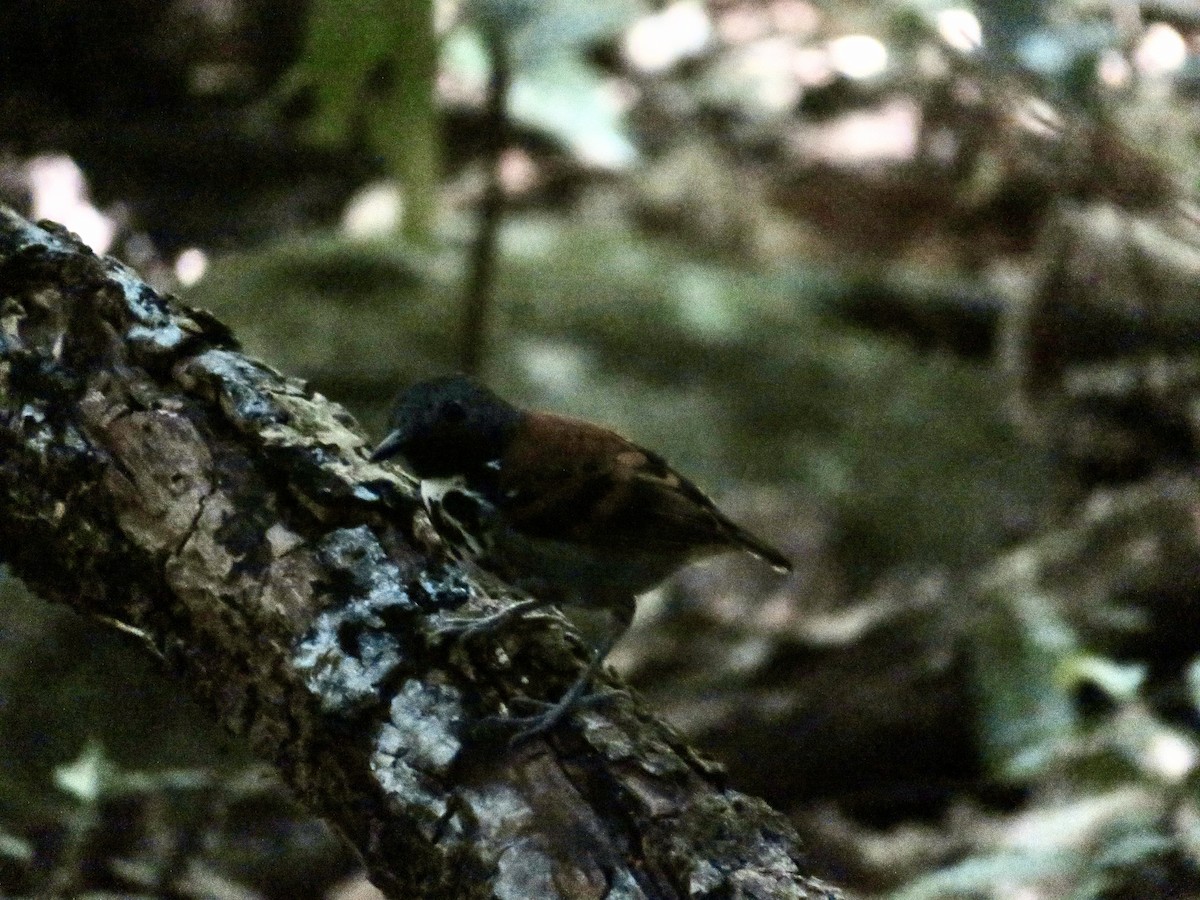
(911, 286)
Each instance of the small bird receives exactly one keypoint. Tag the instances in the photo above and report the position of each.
(565, 511)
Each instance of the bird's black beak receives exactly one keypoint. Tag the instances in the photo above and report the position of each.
(388, 447)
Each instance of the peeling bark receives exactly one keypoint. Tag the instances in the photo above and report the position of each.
(154, 475)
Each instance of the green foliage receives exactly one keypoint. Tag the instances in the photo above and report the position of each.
(1021, 652)
(1117, 860)
(350, 45)
(150, 829)
(1118, 789)
(979, 876)
(65, 681)
(372, 66)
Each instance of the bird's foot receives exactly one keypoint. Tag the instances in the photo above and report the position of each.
(551, 714)
(464, 628)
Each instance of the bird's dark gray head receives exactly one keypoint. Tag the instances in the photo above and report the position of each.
(446, 426)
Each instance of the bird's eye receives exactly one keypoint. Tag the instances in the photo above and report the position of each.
(454, 412)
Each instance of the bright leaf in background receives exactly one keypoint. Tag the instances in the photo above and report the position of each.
(349, 42)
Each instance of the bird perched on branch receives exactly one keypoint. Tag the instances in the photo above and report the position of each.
(565, 511)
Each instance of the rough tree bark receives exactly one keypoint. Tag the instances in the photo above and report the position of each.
(153, 475)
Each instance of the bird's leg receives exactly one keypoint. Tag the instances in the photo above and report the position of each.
(468, 628)
(577, 696)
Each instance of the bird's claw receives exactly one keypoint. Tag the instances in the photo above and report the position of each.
(536, 724)
(467, 627)
(464, 628)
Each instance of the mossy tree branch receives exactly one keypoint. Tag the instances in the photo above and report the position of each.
(153, 475)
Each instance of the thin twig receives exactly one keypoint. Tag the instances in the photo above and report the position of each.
(481, 287)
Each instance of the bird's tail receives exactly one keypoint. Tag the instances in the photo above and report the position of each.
(759, 548)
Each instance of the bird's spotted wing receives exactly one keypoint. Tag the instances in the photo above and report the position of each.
(592, 486)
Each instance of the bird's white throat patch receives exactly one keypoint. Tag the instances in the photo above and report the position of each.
(434, 489)
(458, 514)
